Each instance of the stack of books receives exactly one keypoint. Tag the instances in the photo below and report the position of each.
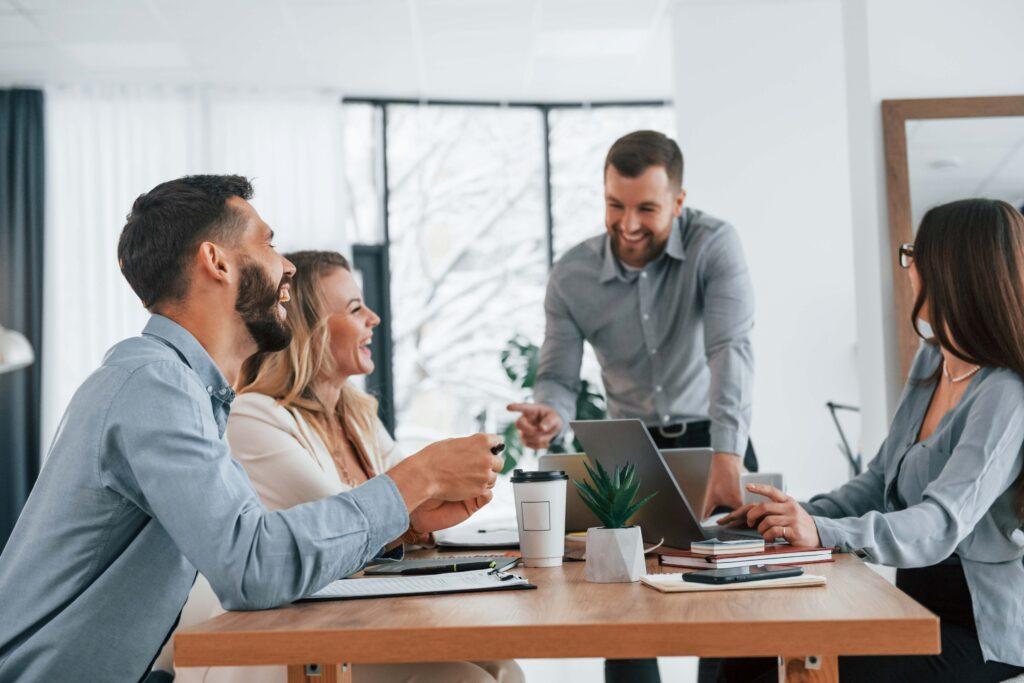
(716, 554)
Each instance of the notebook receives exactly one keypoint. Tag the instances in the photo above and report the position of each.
(773, 554)
(717, 546)
(433, 584)
(673, 583)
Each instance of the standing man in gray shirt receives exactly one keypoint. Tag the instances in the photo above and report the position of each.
(665, 300)
(139, 489)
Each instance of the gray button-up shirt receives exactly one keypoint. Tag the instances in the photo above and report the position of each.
(140, 490)
(919, 502)
(672, 339)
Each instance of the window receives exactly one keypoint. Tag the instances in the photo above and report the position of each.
(479, 198)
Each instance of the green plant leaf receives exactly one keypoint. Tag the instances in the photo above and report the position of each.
(635, 507)
(513, 447)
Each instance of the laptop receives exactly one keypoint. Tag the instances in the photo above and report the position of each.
(668, 517)
(690, 468)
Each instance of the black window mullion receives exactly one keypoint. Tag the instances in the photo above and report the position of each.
(545, 113)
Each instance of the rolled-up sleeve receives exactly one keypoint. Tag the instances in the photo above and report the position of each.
(984, 463)
(728, 322)
(558, 373)
(167, 457)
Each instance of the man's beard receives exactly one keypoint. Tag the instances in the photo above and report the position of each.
(651, 250)
(257, 302)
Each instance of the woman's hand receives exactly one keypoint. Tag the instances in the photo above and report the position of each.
(781, 518)
(435, 515)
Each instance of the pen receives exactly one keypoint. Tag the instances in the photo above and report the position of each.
(464, 567)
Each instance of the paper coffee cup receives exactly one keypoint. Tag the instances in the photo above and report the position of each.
(540, 515)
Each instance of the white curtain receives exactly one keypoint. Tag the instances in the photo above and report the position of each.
(105, 145)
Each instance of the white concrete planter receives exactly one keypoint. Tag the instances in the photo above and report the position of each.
(614, 555)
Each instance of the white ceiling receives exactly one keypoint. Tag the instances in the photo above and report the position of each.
(952, 159)
(493, 49)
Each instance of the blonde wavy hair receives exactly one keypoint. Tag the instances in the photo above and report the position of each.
(289, 375)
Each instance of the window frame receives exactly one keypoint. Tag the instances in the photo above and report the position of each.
(375, 257)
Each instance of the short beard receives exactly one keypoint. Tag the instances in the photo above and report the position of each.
(257, 305)
(652, 251)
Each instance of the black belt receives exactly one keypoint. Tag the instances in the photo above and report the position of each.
(674, 431)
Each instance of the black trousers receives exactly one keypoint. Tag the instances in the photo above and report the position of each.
(942, 589)
(695, 435)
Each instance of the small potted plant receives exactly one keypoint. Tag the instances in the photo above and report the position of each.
(615, 551)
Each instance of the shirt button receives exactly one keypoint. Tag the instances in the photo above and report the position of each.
(658, 388)
(646, 316)
(209, 389)
(643, 275)
(666, 418)
(654, 351)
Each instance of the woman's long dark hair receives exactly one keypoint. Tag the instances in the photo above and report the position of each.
(969, 257)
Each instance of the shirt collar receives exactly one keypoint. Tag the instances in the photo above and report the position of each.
(193, 353)
(674, 248)
(612, 269)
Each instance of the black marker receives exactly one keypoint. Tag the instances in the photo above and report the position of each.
(497, 449)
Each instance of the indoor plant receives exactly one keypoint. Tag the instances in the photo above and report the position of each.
(520, 359)
(615, 551)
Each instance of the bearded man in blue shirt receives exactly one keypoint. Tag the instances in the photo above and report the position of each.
(139, 490)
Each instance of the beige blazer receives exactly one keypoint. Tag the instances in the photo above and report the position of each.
(288, 464)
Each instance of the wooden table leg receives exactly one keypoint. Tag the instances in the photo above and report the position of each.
(817, 669)
(319, 673)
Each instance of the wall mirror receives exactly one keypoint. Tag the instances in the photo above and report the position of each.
(941, 150)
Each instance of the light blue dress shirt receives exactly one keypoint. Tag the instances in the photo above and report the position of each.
(672, 338)
(919, 502)
(138, 492)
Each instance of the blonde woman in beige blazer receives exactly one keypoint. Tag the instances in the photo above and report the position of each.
(294, 450)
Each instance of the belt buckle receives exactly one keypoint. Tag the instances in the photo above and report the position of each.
(665, 431)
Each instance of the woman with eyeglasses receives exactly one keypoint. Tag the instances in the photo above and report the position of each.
(943, 501)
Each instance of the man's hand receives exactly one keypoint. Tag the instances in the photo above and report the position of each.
(435, 515)
(723, 482)
(537, 425)
(782, 518)
(450, 470)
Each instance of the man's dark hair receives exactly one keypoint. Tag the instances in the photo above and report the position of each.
(167, 224)
(636, 152)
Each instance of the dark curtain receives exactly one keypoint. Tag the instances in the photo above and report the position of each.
(21, 293)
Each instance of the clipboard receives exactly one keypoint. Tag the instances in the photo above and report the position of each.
(441, 565)
(431, 584)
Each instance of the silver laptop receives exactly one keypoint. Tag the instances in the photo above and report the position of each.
(668, 517)
(690, 468)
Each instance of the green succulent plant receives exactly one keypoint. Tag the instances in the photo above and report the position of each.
(611, 497)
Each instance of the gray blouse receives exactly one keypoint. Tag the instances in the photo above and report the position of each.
(918, 503)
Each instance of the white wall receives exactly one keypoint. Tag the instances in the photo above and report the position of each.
(108, 144)
(762, 125)
(900, 49)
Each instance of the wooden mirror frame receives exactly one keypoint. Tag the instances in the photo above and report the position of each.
(895, 114)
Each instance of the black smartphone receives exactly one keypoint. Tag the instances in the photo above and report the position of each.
(738, 574)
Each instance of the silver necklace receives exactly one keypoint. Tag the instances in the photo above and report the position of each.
(961, 378)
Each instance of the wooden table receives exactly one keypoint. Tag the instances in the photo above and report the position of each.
(857, 613)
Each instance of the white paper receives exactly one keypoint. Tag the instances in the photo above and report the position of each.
(449, 582)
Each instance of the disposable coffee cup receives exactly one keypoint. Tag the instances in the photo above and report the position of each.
(540, 515)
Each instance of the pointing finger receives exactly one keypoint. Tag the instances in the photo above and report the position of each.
(768, 491)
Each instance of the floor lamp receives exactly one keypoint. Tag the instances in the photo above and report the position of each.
(15, 351)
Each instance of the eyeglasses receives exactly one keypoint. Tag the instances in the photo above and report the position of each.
(906, 255)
